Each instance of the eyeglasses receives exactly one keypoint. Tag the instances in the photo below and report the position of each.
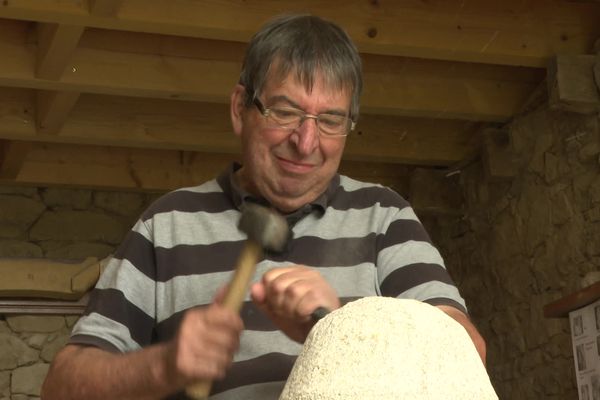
(292, 118)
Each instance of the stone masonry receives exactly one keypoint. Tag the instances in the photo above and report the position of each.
(526, 242)
(68, 224)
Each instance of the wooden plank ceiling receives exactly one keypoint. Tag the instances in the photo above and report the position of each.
(133, 94)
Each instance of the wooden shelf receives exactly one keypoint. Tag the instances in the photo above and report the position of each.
(43, 306)
(562, 307)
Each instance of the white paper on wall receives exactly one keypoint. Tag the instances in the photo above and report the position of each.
(585, 335)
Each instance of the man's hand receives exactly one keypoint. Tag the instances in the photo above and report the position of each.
(201, 350)
(289, 295)
(204, 346)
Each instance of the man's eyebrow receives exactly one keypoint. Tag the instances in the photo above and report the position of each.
(283, 99)
(290, 102)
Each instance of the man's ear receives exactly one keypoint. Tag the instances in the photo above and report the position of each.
(237, 107)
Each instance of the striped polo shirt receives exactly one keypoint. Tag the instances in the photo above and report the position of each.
(364, 238)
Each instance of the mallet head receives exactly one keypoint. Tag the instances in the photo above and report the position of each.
(265, 226)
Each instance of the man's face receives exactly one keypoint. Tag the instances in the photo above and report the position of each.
(290, 168)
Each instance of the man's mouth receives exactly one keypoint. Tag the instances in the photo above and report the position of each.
(295, 167)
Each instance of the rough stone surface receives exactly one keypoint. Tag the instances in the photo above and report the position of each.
(75, 251)
(19, 248)
(20, 190)
(418, 353)
(83, 226)
(56, 224)
(590, 278)
(76, 199)
(17, 213)
(534, 244)
(561, 209)
(28, 380)
(34, 323)
(71, 320)
(121, 203)
(53, 346)
(37, 340)
(4, 384)
(15, 352)
(595, 190)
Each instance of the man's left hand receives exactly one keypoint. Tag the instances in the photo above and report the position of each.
(289, 295)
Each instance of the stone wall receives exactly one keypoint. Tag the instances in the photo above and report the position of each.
(525, 242)
(57, 224)
(27, 346)
(65, 223)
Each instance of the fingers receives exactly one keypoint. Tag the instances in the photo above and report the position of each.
(288, 291)
(205, 344)
(297, 291)
(258, 293)
(220, 295)
(289, 295)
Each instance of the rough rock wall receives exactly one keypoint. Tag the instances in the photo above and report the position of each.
(55, 224)
(65, 223)
(27, 346)
(525, 242)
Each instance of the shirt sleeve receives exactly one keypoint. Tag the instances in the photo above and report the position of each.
(121, 313)
(410, 266)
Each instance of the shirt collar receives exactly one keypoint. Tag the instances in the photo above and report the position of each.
(239, 196)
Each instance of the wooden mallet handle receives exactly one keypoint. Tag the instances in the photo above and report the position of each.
(234, 298)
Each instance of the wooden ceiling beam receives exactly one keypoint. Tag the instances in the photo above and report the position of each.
(152, 170)
(405, 87)
(53, 109)
(441, 89)
(510, 32)
(104, 8)
(206, 127)
(572, 85)
(116, 168)
(56, 44)
(12, 158)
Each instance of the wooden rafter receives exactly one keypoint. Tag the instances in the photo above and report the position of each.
(53, 109)
(56, 44)
(104, 8)
(392, 86)
(12, 158)
(153, 170)
(182, 125)
(571, 84)
(511, 32)
(111, 84)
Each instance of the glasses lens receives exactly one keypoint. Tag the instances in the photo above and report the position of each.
(292, 118)
(285, 117)
(333, 124)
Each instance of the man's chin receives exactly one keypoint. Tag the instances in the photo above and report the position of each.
(289, 201)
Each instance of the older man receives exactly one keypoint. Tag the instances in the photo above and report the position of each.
(155, 323)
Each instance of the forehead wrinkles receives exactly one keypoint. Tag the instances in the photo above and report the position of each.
(307, 77)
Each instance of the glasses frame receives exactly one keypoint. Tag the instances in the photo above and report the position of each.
(265, 111)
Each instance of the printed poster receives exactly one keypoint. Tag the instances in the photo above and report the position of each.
(585, 334)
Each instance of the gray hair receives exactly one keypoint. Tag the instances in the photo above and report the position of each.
(305, 45)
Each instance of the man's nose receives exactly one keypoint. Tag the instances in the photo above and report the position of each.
(306, 136)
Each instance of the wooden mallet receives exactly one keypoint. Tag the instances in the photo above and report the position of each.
(266, 229)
